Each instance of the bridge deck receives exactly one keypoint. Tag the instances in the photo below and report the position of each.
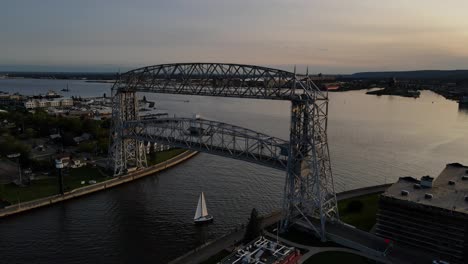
(214, 138)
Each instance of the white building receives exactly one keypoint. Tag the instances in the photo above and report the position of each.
(30, 104)
(66, 102)
(43, 103)
(54, 103)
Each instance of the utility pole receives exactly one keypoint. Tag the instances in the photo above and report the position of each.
(59, 166)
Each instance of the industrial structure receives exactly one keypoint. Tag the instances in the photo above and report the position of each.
(428, 214)
(309, 189)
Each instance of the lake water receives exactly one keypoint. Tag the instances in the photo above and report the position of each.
(372, 140)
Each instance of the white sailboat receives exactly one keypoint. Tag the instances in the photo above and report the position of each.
(201, 215)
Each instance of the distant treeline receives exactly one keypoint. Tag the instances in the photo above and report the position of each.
(63, 75)
(454, 75)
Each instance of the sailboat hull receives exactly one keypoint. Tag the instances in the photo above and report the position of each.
(203, 220)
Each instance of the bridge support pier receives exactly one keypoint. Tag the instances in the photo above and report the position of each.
(125, 153)
(309, 191)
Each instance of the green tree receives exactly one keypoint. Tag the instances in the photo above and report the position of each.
(103, 145)
(29, 133)
(67, 139)
(91, 126)
(88, 147)
(11, 145)
(253, 229)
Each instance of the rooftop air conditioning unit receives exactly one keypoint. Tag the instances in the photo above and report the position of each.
(426, 181)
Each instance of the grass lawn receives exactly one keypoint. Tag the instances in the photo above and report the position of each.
(47, 187)
(304, 238)
(363, 218)
(72, 180)
(164, 155)
(337, 257)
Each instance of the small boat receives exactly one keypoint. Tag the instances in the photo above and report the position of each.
(201, 215)
(66, 89)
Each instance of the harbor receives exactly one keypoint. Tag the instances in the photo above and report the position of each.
(363, 157)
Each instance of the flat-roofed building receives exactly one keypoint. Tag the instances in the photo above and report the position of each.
(53, 103)
(265, 251)
(31, 104)
(66, 102)
(429, 214)
(12, 99)
(43, 103)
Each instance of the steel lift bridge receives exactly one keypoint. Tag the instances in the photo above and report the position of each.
(308, 192)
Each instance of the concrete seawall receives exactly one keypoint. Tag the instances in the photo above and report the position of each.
(26, 206)
(362, 191)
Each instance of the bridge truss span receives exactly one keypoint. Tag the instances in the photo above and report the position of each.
(214, 138)
(218, 79)
(309, 189)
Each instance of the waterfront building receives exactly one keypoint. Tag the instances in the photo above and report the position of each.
(30, 104)
(43, 103)
(66, 102)
(428, 214)
(263, 250)
(11, 99)
(53, 103)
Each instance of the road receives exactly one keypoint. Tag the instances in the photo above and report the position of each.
(371, 245)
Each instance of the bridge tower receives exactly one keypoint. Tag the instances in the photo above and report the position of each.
(309, 193)
(124, 153)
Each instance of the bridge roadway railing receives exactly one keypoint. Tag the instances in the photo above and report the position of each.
(212, 137)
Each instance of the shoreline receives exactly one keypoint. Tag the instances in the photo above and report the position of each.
(100, 186)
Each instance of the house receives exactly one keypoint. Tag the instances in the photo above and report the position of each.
(83, 137)
(76, 163)
(64, 158)
(55, 136)
(30, 104)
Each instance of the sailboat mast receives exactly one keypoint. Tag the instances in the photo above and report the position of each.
(203, 202)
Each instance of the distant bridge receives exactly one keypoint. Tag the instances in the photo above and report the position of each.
(309, 189)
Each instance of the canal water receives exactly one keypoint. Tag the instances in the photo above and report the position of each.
(373, 140)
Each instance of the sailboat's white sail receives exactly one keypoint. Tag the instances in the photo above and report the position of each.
(198, 213)
(204, 210)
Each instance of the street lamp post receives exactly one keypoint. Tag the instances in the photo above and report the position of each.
(59, 166)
